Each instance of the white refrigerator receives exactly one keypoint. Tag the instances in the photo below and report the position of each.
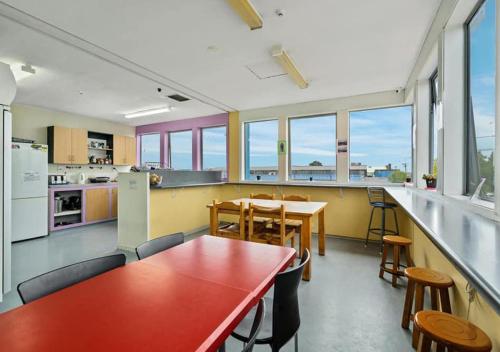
(29, 191)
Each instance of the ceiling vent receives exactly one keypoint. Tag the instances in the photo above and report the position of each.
(178, 97)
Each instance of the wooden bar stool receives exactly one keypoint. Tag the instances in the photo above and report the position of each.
(418, 279)
(450, 332)
(397, 242)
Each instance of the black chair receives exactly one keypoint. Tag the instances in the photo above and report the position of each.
(260, 313)
(377, 200)
(159, 244)
(283, 324)
(58, 279)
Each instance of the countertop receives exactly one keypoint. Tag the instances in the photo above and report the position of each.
(86, 185)
(321, 184)
(469, 240)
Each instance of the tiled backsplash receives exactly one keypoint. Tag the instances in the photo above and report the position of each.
(72, 171)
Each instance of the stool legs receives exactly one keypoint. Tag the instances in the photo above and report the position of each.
(445, 300)
(369, 227)
(424, 344)
(382, 263)
(395, 265)
(410, 291)
(382, 230)
(419, 305)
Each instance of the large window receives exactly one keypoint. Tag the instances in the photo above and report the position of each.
(181, 150)
(380, 145)
(214, 150)
(150, 150)
(481, 74)
(312, 148)
(433, 125)
(261, 150)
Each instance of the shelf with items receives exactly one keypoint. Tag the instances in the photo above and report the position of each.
(100, 148)
(67, 208)
(68, 212)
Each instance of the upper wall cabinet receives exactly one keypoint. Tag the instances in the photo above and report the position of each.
(124, 150)
(67, 145)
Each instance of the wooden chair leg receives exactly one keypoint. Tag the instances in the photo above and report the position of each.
(409, 260)
(395, 265)
(445, 300)
(410, 291)
(434, 298)
(424, 344)
(419, 305)
(382, 263)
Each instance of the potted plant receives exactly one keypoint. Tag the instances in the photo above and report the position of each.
(430, 180)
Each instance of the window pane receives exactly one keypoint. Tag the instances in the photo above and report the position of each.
(434, 126)
(214, 150)
(150, 150)
(380, 142)
(312, 148)
(481, 111)
(261, 150)
(181, 150)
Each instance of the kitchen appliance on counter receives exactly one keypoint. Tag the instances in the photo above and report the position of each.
(99, 179)
(29, 191)
(58, 180)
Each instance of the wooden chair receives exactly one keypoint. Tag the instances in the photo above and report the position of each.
(450, 332)
(261, 220)
(233, 230)
(270, 235)
(295, 224)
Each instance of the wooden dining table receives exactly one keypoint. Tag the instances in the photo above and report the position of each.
(187, 298)
(295, 210)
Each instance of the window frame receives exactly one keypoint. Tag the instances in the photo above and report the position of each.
(467, 94)
(169, 147)
(289, 142)
(412, 121)
(433, 100)
(140, 146)
(246, 146)
(227, 145)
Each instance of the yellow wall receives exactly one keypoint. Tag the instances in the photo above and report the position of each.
(425, 254)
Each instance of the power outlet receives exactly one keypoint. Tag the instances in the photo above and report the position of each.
(471, 292)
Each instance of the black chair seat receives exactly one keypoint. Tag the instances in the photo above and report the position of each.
(242, 331)
(383, 205)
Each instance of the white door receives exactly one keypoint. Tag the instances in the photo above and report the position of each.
(29, 170)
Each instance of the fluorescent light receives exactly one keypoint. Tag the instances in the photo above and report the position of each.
(148, 112)
(247, 12)
(22, 71)
(289, 66)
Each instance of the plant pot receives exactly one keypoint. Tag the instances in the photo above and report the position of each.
(431, 183)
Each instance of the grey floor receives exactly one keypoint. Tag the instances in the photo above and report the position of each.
(345, 307)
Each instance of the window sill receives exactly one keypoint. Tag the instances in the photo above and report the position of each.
(479, 206)
(332, 184)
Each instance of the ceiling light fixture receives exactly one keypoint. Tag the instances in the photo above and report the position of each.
(148, 112)
(22, 71)
(289, 66)
(247, 12)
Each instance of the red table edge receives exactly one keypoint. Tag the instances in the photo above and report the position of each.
(218, 336)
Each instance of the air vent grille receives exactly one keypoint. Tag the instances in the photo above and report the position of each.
(178, 97)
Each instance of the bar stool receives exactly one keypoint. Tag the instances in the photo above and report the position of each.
(418, 279)
(397, 242)
(377, 200)
(449, 332)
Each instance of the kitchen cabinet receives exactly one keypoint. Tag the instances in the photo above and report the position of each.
(124, 150)
(97, 204)
(114, 202)
(67, 145)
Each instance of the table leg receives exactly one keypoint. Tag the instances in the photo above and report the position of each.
(306, 235)
(213, 225)
(321, 230)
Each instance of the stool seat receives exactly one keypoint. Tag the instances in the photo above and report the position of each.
(428, 277)
(399, 240)
(383, 205)
(452, 331)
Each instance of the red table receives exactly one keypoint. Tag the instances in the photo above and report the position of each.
(188, 298)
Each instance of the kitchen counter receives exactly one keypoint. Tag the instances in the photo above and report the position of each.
(86, 185)
(470, 241)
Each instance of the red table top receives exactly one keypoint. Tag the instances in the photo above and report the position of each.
(157, 304)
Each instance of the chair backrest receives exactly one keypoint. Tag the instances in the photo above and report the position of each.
(262, 196)
(258, 211)
(296, 198)
(286, 315)
(231, 208)
(58, 279)
(376, 194)
(159, 244)
(257, 324)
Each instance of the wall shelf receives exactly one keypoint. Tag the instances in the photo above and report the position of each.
(68, 212)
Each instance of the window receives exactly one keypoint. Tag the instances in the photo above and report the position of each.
(150, 150)
(214, 150)
(481, 72)
(381, 145)
(181, 150)
(433, 125)
(261, 150)
(312, 143)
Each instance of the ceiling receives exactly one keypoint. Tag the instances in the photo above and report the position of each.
(203, 49)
